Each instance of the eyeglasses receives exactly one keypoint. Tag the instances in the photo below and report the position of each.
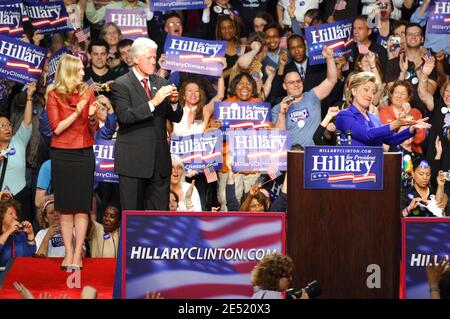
(5, 125)
(415, 34)
(293, 82)
(172, 24)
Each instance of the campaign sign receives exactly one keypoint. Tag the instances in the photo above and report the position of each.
(439, 18)
(349, 167)
(15, 4)
(424, 241)
(168, 5)
(198, 151)
(255, 150)
(48, 17)
(194, 55)
(104, 161)
(132, 23)
(11, 22)
(20, 61)
(243, 114)
(195, 255)
(53, 63)
(336, 35)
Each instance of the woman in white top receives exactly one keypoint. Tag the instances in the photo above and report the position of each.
(188, 197)
(196, 111)
(49, 242)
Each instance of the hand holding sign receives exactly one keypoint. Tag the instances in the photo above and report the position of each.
(327, 52)
(31, 88)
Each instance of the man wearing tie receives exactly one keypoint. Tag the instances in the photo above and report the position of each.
(143, 102)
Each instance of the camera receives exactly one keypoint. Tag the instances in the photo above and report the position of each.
(21, 226)
(313, 290)
(446, 175)
(395, 43)
(104, 87)
(383, 5)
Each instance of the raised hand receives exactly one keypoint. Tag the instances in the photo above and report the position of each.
(23, 291)
(190, 189)
(255, 46)
(403, 63)
(31, 88)
(284, 57)
(270, 71)
(327, 52)
(428, 65)
(163, 93)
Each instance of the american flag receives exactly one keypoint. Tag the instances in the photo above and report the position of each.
(91, 83)
(83, 35)
(210, 173)
(273, 170)
(340, 5)
(181, 278)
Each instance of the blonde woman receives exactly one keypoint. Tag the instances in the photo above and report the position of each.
(366, 128)
(71, 112)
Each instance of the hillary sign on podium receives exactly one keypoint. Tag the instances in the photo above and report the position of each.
(331, 167)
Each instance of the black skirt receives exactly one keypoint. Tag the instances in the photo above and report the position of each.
(73, 178)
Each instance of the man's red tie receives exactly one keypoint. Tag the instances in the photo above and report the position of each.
(147, 88)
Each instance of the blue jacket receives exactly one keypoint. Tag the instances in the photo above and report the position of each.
(21, 248)
(368, 133)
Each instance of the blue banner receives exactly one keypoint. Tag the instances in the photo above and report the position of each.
(349, 167)
(11, 22)
(243, 114)
(20, 61)
(168, 5)
(255, 150)
(53, 63)
(439, 18)
(131, 22)
(194, 255)
(336, 35)
(104, 161)
(199, 150)
(425, 240)
(15, 4)
(194, 55)
(48, 17)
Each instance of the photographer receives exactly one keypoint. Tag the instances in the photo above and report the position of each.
(273, 275)
(16, 239)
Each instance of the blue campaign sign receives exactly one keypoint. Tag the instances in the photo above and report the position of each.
(20, 61)
(48, 17)
(168, 5)
(439, 18)
(104, 161)
(336, 35)
(242, 114)
(424, 241)
(194, 255)
(53, 63)
(334, 167)
(198, 151)
(11, 22)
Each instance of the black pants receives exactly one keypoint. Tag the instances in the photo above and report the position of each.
(24, 197)
(144, 193)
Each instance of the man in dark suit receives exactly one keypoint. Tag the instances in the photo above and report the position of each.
(143, 102)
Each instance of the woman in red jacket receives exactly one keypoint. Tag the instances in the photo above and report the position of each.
(71, 112)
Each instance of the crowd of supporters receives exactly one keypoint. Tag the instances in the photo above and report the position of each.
(266, 60)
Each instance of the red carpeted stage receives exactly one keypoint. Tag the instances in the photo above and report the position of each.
(42, 275)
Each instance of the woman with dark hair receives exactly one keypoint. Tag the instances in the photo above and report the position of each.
(273, 275)
(16, 239)
(422, 199)
(13, 155)
(227, 30)
(71, 112)
(400, 95)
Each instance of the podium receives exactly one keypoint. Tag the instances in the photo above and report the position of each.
(348, 240)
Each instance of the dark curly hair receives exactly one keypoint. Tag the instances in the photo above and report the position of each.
(7, 203)
(268, 272)
(237, 79)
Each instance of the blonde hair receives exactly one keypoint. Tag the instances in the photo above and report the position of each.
(176, 158)
(358, 79)
(66, 76)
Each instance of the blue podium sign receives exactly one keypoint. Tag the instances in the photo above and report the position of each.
(331, 167)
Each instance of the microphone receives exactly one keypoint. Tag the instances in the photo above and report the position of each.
(338, 137)
(348, 134)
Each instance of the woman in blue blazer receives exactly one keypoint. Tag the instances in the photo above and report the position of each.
(366, 128)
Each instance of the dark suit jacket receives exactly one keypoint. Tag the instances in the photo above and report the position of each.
(141, 145)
